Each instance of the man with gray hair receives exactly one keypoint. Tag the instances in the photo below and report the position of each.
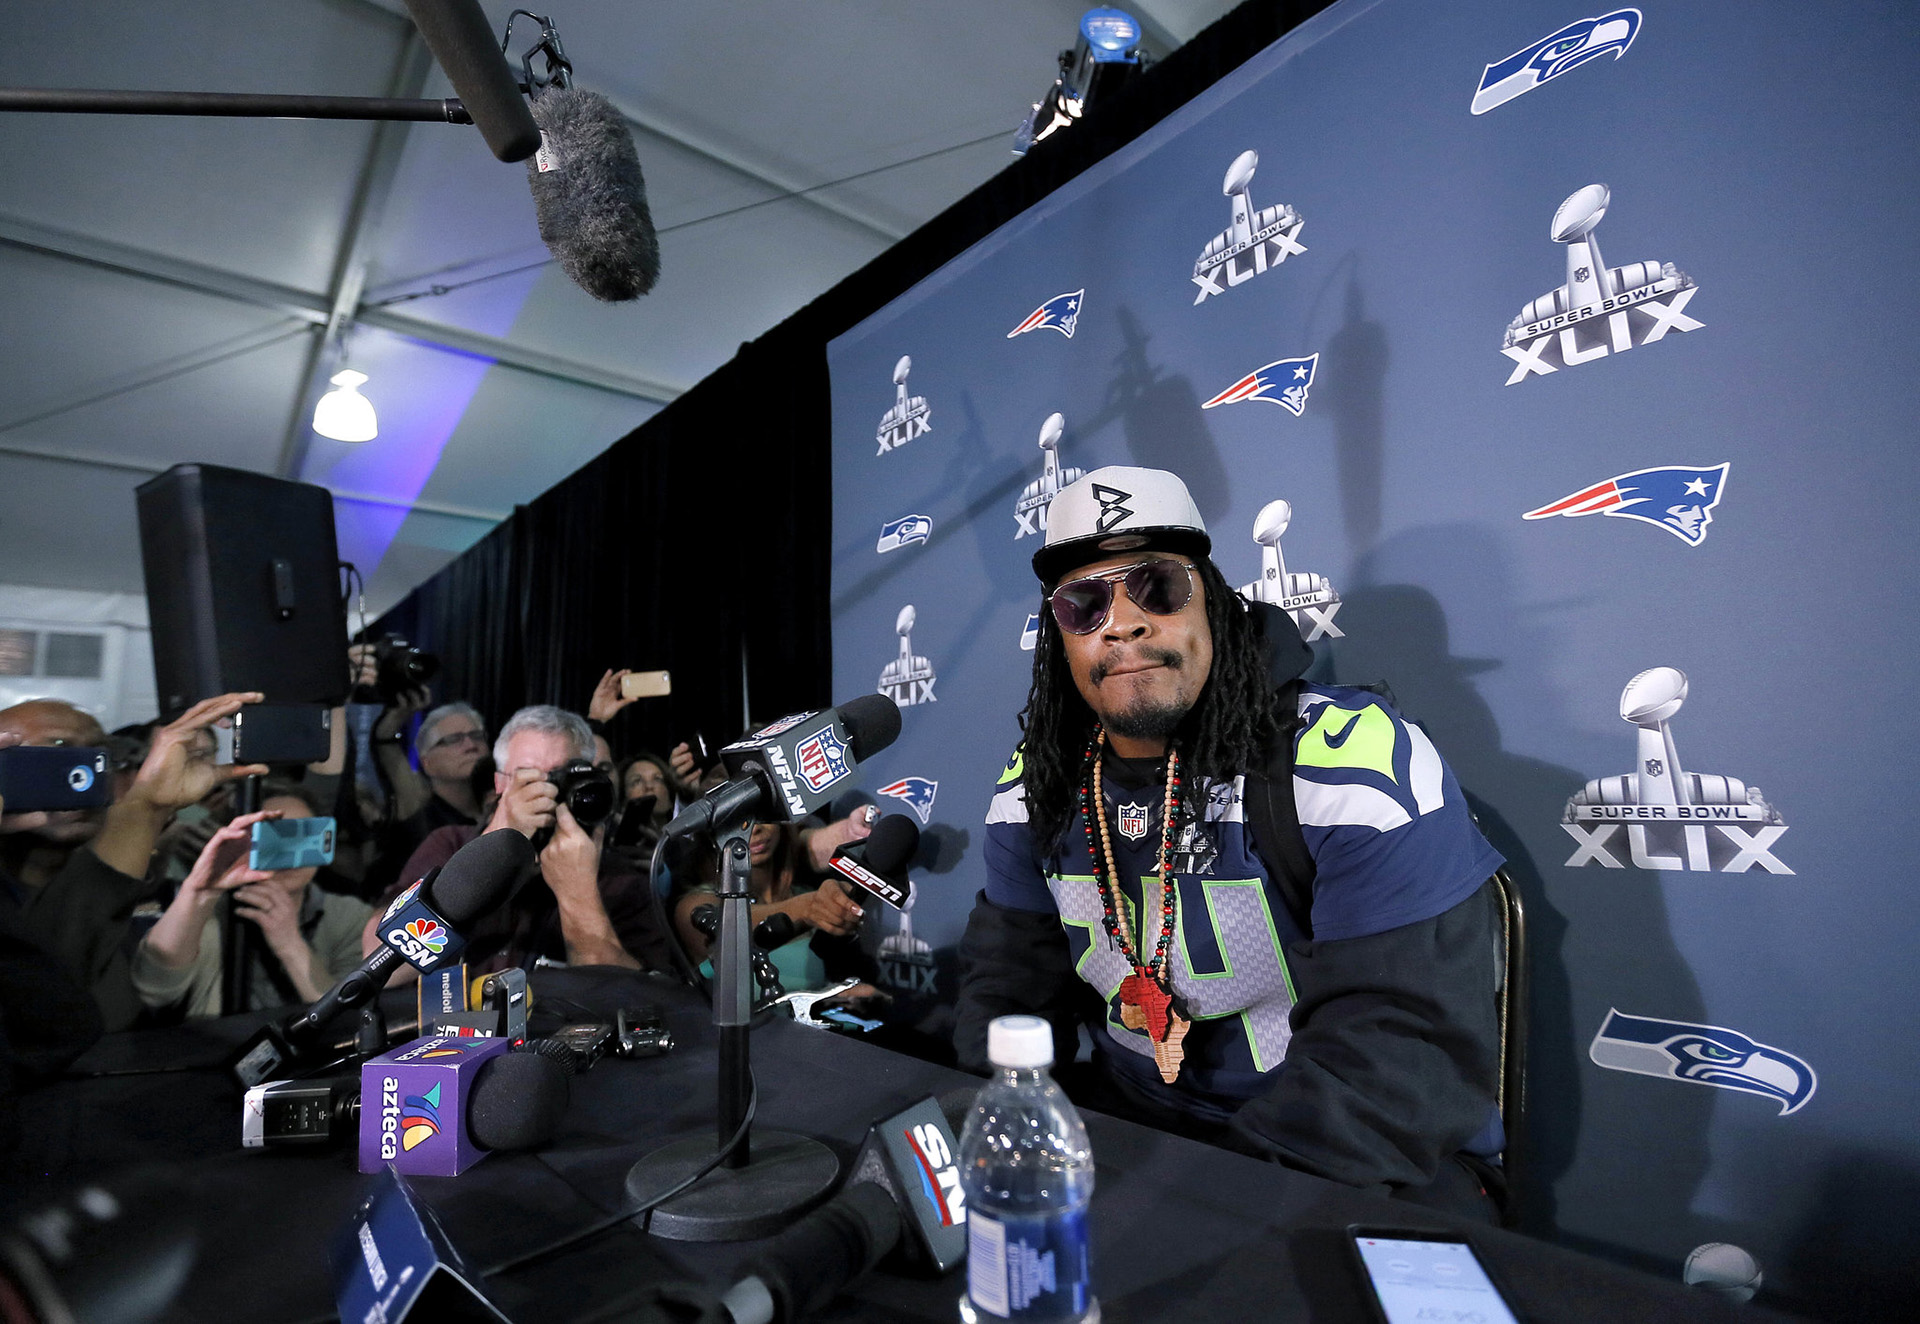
(593, 909)
(450, 744)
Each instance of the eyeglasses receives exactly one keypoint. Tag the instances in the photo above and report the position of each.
(477, 738)
(1162, 587)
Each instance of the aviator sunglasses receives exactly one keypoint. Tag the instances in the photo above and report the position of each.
(1162, 587)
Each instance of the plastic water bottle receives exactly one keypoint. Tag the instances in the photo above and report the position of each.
(1027, 1171)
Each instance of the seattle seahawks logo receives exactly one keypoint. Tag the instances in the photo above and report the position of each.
(1702, 1055)
(1113, 506)
(1569, 48)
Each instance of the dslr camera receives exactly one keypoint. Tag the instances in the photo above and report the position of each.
(586, 791)
(398, 667)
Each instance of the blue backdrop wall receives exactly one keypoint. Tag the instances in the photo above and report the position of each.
(1364, 276)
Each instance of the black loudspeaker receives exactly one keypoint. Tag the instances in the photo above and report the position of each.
(243, 587)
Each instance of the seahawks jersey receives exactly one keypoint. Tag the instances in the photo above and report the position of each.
(1392, 844)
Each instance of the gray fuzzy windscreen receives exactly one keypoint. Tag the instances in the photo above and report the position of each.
(592, 205)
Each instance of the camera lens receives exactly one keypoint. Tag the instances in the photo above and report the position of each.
(586, 791)
(418, 667)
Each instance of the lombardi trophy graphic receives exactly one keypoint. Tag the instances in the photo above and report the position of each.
(909, 417)
(908, 679)
(1548, 328)
(901, 945)
(1030, 511)
(1298, 595)
(1253, 242)
(1673, 819)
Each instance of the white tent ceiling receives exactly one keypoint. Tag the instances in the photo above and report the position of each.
(165, 283)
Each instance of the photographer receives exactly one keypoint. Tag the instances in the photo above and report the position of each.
(78, 874)
(46, 1020)
(788, 861)
(593, 908)
(312, 938)
(450, 745)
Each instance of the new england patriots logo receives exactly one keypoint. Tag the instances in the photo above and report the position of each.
(918, 792)
(1702, 1055)
(1678, 498)
(1572, 46)
(1058, 314)
(1282, 383)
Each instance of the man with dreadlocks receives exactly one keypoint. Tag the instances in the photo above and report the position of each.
(1320, 993)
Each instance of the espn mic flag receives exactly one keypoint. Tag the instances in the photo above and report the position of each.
(878, 863)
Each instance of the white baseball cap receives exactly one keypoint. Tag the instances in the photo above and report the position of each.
(1118, 509)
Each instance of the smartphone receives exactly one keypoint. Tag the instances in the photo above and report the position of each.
(1419, 1276)
(54, 777)
(282, 733)
(704, 755)
(646, 684)
(291, 843)
(635, 815)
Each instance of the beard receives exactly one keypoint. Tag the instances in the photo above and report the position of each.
(1144, 718)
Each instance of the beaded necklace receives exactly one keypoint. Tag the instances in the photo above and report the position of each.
(1146, 996)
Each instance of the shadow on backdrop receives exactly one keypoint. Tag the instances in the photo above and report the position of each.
(1352, 388)
(1852, 1258)
(1161, 419)
(1652, 1153)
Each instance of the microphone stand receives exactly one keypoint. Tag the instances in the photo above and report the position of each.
(236, 936)
(757, 1189)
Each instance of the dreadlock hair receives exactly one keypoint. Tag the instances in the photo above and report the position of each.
(1228, 730)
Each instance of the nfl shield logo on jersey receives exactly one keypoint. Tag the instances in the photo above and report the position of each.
(1133, 821)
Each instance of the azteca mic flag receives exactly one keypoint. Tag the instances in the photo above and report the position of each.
(590, 197)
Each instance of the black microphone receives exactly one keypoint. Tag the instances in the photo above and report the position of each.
(589, 195)
(457, 33)
(515, 1102)
(877, 864)
(902, 1190)
(770, 934)
(793, 767)
(475, 881)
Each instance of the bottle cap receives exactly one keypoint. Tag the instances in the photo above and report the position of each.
(1020, 1041)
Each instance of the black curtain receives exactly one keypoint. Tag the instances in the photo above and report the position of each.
(698, 543)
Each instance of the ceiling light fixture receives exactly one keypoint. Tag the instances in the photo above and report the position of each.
(344, 414)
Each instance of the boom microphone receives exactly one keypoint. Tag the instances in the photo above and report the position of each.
(475, 881)
(457, 33)
(589, 195)
(793, 767)
(877, 864)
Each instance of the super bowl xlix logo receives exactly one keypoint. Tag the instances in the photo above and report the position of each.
(1255, 242)
(1030, 511)
(909, 417)
(907, 963)
(908, 679)
(1309, 599)
(1662, 817)
(1601, 310)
